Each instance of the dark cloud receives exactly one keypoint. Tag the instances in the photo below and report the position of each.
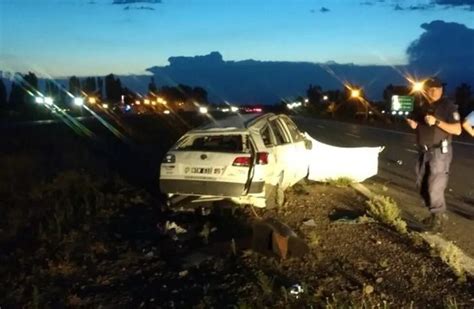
(444, 47)
(136, 1)
(414, 7)
(148, 8)
(421, 7)
(455, 2)
(250, 81)
(324, 10)
(466, 4)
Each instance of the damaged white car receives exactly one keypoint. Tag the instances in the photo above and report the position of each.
(248, 159)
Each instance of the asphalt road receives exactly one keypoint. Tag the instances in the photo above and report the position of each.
(396, 176)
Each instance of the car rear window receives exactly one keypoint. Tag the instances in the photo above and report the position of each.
(218, 143)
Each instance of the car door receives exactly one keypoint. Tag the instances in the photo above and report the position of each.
(282, 152)
(298, 152)
(331, 162)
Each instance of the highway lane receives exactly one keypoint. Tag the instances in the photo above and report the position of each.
(33, 123)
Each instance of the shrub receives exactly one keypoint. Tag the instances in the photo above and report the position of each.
(386, 210)
(265, 283)
(451, 255)
(339, 182)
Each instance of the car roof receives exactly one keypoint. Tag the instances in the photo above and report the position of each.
(233, 124)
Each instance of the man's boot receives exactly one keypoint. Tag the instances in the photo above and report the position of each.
(435, 221)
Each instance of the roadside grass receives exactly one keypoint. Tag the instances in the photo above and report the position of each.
(314, 239)
(451, 303)
(49, 223)
(365, 303)
(339, 182)
(386, 210)
(451, 255)
(265, 283)
(62, 268)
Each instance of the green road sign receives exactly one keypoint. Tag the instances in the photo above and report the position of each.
(402, 103)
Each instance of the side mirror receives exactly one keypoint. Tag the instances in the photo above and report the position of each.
(308, 144)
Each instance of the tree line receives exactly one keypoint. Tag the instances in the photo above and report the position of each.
(25, 87)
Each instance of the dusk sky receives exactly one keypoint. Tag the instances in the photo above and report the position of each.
(83, 37)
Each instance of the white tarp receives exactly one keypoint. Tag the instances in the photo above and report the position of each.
(331, 162)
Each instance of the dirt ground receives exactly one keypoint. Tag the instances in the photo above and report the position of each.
(131, 256)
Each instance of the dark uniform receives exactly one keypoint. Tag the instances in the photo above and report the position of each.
(432, 168)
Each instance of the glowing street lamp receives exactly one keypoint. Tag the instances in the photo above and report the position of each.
(92, 100)
(418, 86)
(203, 110)
(39, 100)
(355, 93)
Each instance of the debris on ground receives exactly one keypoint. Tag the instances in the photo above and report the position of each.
(271, 235)
(309, 222)
(296, 290)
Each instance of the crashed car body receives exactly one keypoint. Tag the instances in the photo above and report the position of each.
(249, 159)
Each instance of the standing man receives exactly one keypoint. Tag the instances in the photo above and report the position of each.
(469, 123)
(435, 121)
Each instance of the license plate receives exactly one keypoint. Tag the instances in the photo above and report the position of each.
(201, 170)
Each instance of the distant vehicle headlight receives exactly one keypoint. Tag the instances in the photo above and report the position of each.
(48, 100)
(78, 101)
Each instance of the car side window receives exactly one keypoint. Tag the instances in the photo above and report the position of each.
(279, 132)
(266, 136)
(296, 135)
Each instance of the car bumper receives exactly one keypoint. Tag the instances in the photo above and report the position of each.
(215, 188)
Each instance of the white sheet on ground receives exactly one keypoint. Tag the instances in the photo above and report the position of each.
(331, 162)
